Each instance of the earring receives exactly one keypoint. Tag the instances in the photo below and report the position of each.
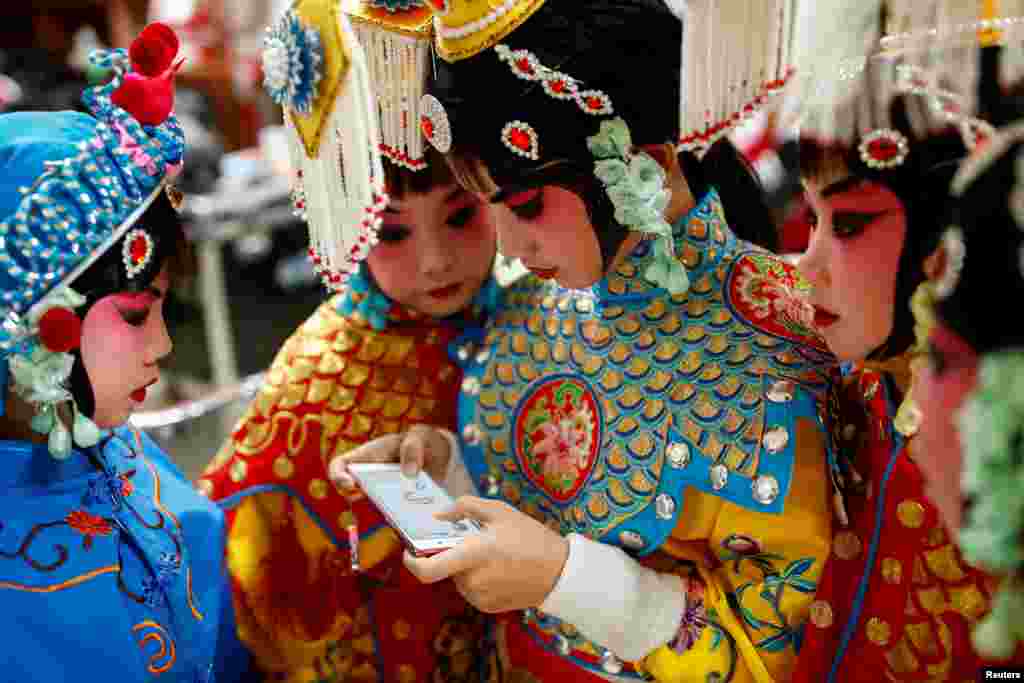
(362, 296)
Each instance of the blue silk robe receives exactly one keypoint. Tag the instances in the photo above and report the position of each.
(111, 568)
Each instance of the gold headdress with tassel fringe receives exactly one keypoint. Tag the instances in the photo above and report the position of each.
(349, 75)
(468, 27)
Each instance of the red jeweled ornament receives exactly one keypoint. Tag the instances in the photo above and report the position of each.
(884, 148)
(521, 138)
(137, 251)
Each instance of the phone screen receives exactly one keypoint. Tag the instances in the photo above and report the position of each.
(411, 504)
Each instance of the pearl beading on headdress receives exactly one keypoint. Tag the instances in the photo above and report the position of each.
(398, 66)
(736, 56)
(525, 65)
(447, 33)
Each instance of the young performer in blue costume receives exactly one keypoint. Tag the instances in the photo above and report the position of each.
(641, 415)
(111, 565)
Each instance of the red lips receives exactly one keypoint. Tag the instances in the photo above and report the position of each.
(543, 273)
(823, 318)
(139, 395)
(446, 292)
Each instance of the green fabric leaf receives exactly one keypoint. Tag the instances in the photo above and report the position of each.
(611, 171)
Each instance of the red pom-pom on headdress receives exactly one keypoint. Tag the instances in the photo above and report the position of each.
(147, 93)
(154, 50)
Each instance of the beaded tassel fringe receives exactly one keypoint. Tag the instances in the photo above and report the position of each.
(343, 185)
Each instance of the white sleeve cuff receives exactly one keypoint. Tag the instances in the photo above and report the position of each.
(457, 481)
(615, 601)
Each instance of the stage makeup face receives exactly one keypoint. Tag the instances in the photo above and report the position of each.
(549, 230)
(124, 335)
(436, 250)
(852, 262)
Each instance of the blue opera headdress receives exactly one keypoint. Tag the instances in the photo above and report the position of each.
(72, 185)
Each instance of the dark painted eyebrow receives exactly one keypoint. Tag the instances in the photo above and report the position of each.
(841, 186)
(506, 192)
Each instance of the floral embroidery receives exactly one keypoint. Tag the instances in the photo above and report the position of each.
(89, 525)
(558, 433)
(773, 297)
(694, 620)
(741, 545)
(770, 589)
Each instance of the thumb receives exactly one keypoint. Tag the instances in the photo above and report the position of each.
(411, 454)
(485, 511)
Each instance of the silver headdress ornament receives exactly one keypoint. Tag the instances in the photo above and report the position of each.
(926, 47)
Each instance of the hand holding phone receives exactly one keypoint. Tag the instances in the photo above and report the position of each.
(409, 505)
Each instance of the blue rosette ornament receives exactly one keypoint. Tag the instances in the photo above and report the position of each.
(292, 63)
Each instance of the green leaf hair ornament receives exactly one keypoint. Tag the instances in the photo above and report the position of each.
(635, 183)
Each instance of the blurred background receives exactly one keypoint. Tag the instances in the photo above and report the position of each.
(253, 284)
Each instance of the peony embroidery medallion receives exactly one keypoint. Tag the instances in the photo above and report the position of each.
(557, 435)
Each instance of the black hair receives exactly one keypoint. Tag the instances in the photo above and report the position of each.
(992, 267)
(108, 276)
(400, 181)
(627, 49)
(743, 197)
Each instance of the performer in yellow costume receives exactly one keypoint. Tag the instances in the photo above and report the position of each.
(371, 361)
(652, 396)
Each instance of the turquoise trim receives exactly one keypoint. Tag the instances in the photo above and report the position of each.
(738, 488)
(654, 530)
(582, 663)
(373, 305)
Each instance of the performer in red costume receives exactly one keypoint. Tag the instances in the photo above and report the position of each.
(970, 395)
(896, 600)
(371, 361)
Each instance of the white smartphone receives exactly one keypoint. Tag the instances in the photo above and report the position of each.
(409, 506)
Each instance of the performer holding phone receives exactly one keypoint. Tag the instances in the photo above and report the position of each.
(410, 506)
(318, 578)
